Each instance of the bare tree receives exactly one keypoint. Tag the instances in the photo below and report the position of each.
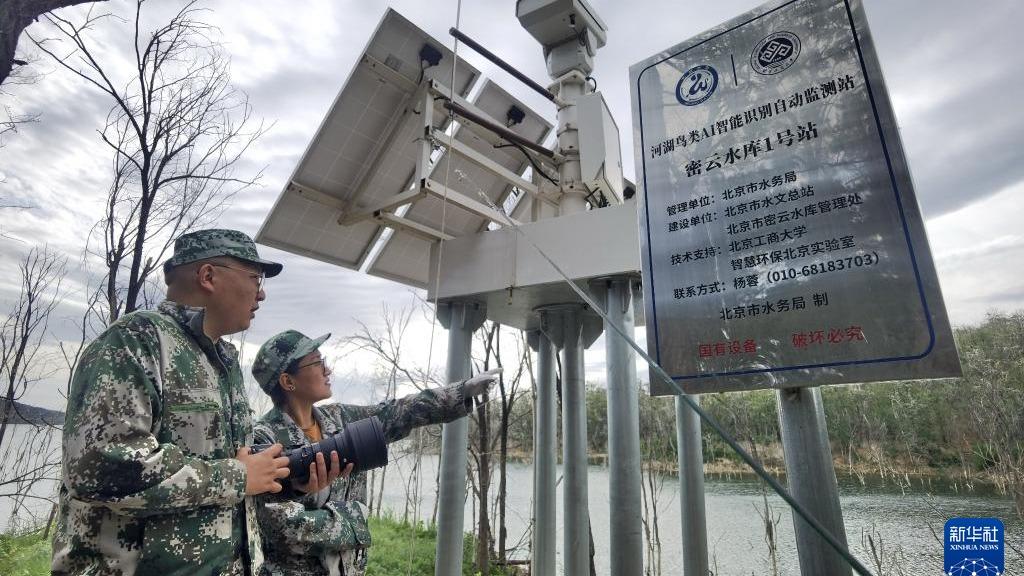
(481, 452)
(22, 332)
(30, 470)
(15, 16)
(9, 124)
(510, 391)
(177, 130)
(657, 428)
(992, 375)
(492, 438)
(386, 346)
(31, 459)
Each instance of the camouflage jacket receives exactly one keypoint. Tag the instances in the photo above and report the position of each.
(326, 533)
(150, 484)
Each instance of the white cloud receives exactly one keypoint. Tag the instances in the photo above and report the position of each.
(979, 255)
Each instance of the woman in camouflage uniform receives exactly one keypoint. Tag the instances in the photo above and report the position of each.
(325, 532)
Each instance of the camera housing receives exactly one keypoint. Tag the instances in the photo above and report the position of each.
(569, 30)
(361, 442)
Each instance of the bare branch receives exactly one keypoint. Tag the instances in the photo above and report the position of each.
(177, 130)
(15, 16)
(22, 332)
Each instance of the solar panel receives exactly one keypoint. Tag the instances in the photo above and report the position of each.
(364, 154)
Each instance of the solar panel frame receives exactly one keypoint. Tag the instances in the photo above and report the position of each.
(406, 258)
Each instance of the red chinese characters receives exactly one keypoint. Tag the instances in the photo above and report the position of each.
(828, 336)
(726, 348)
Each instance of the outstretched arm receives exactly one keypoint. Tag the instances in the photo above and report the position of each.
(433, 406)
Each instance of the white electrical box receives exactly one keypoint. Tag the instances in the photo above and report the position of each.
(600, 154)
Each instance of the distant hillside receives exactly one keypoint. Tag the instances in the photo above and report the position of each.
(25, 414)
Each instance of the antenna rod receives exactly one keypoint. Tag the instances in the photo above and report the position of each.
(497, 129)
(501, 63)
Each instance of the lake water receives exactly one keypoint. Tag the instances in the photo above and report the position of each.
(26, 448)
(904, 521)
(901, 521)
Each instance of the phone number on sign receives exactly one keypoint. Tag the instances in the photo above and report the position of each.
(838, 265)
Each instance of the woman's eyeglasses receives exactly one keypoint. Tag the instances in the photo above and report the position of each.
(322, 362)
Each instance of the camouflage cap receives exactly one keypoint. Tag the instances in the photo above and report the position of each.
(278, 353)
(203, 244)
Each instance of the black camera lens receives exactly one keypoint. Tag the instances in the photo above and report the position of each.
(361, 443)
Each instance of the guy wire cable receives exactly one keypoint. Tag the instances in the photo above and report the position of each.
(706, 417)
(437, 270)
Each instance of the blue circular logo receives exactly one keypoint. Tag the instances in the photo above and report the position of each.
(696, 85)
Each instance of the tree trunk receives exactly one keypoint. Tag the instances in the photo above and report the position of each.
(8, 406)
(22, 335)
(15, 16)
(506, 410)
(483, 542)
(380, 493)
(136, 277)
(437, 495)
(593, 550)
(502, 479)
(112, 306)
(372, 481)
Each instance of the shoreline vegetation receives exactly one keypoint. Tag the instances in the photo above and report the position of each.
(21, 413)
(967, 432)
(864, 472)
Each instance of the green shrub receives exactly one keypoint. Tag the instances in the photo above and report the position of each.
(400, 548)
(25, 555)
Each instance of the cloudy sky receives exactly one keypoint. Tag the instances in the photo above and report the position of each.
(952, 68)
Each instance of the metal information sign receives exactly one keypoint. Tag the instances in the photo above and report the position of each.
(782, 241)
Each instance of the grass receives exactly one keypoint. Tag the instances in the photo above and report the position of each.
(396, 545)
(409, 550)
(24, 555)
(397, 549)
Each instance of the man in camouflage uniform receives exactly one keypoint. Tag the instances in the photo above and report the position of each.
(325, 533)
(157, 474)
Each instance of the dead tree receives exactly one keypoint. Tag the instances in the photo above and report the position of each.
(22, 332)
(31, 469)
(509, 389)
(15, 16)
(31, 457)
(176, 130)
(482, 460)
(386, 346)
(491, 515)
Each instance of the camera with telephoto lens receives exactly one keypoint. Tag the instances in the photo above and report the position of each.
(361, 442)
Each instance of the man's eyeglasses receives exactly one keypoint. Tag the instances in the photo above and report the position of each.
(322, 362)
(259, 278)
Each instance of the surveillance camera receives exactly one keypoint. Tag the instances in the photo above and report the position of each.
(569, 31)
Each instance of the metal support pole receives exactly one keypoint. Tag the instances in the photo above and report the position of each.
(812, 479)
(545, 457)
(570, 173)
(575, 515)
(624, 500)
(691, 488)
(461, 319)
